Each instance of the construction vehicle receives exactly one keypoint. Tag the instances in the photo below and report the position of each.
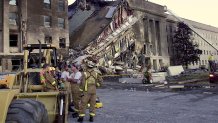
(22, 96)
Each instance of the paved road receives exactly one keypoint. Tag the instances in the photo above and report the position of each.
(124, 106)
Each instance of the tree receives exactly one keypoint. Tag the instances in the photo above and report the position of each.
(186, 51)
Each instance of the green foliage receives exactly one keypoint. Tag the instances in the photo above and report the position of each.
(186, 51)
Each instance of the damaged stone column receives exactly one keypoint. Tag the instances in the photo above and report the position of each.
(6, 65)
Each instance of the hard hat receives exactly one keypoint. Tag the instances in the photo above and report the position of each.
(98, 105)
(51, 68)
(45, 66)
(90, 64)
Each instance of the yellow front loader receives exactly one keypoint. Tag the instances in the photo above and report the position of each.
(22, 99)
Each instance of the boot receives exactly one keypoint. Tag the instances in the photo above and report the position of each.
(75, 115)
(91, 119)
(80, 119)
(70, 109)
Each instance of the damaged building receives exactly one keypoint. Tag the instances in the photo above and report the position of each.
(134, 33)
(131, 33)
(208, 32)
(27, 21)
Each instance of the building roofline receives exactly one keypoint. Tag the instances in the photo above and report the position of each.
(195, 24)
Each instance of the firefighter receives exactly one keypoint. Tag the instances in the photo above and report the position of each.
(47, 78)
(91, 80)
(211, 63)
(147, 75)
(45, 68)
(64, 76)
(75, 80)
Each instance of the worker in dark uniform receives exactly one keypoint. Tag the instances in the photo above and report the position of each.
(147, 75)
(91, 80)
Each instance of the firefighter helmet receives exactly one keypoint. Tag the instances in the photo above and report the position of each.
(90, 64)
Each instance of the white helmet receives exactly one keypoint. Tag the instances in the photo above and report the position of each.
(90, 64)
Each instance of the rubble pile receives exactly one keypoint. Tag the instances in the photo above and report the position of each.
(189, 74)
(115, 67)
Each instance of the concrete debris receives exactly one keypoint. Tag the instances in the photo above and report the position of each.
(124, 81)
(160, 86)
(133, 89)
(130, 80)
(147, 90)
(159, 77)
(80, 59)
(110, 12)
(139, 76)
(207, 92)
(176, 86)
(163, 82)
(175, 70)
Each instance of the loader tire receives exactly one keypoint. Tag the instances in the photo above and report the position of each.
(26, 111)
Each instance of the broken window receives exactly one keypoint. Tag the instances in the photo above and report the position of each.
(61, 23)
(13, 18)
(47, 4)
(62, 43)
(154, 64)
(157, 28)
(61, 5)
(151, 49)
(13, 40)
(144, 49)
(129, 12)
(171, 29)
(47, 21)
(123, 44)
(48, 39)
(113, 51)
(13, 2)
(16, 64)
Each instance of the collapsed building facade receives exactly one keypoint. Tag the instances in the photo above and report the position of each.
(134, 32)
(26, 22)
(129, 33)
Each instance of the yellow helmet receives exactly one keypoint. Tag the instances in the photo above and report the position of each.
(98, 105)
(51, 68)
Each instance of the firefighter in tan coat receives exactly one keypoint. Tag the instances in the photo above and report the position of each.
(75, 80)
(47, 78)
(91, 80)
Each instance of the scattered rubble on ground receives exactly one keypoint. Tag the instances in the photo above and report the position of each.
(174, 78)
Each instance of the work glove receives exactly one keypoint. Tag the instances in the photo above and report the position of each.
(82, 94)
(61, 86)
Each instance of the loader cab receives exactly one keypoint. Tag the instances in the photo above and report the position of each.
(35, 55)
